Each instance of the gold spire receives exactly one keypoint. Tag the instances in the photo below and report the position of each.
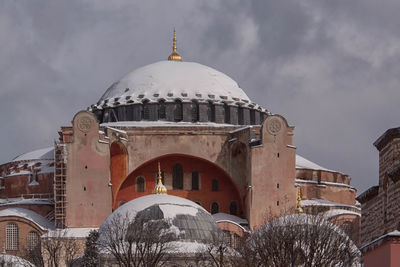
(159, 188)
(174, 55)
(299, 209)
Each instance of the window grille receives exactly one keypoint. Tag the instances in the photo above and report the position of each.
(140, 184)
(32, 240)
(233, 208)
(195, 181)
(214, 208)
(178, 112)
(177, 177)
(12, 236)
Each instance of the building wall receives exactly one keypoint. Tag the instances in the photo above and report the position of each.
(380, 212)
(24, 227)
(385, 254)
(272, 172)
(88, 174)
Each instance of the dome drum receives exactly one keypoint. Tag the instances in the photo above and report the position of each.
(188, 111)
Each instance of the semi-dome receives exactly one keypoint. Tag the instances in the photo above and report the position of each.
(170, 80)
(191, 222)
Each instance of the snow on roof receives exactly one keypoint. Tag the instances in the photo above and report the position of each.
(303, 163)
(218, 217)
(30, 215)
(337, 212)
(170, 80)
(165, 123)
(378, 240)
(11, 260)
(27, 201)
(324, 202)
(44, 153)
(169, 204)
(70, 232)
(224, 217)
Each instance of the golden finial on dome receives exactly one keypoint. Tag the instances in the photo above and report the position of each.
(298, 208)
(159, 188)
(174, 55)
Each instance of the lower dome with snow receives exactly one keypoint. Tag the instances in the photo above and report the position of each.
(186, 219)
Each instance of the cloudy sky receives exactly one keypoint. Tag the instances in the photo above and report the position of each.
(332, 68)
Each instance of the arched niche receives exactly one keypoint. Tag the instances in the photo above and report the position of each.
(205, 171)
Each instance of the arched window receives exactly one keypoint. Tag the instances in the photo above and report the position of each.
(214, 208)
(211, 112)
(252, 117)
(162, 115)
(240, 116)
(32, 240)
(12, 236)
(195, 111)
(227, 113)
(146, 110)
(140, 184)
(195, 180)
(178, 112)
(214, 186)
(177, 176)
(233, 208)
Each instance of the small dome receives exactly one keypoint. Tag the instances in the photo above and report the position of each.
(194, 224)
(170, 80)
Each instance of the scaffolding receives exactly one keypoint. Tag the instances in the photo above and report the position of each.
(60, 175)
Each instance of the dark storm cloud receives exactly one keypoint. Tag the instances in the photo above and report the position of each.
(330, 67)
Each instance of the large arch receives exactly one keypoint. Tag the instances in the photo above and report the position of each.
(118, 165)
(203, 194)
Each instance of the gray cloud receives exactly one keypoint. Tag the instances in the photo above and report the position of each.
(330, 67)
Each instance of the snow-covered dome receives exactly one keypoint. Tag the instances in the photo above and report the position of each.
(170, 80)
(191, 222)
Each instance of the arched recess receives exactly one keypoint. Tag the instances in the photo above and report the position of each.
(118, 165)
(227, 190)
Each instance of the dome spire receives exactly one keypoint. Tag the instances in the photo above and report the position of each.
(159, 188)
(174, 55)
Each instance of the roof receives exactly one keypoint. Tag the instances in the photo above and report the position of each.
(170, 80)
(394, 234)
(303, 163)
(325, 203)
(43, 154)
(224, 217)
(187, 220)
(337, 212)
(29, 215)
(368, 194)
(11, 260)
(387, 137)
(70, 232)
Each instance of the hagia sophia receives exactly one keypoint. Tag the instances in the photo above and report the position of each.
(215, 147)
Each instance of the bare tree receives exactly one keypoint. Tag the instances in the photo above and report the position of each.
(58, 247)
(137, 242)
(299, 240)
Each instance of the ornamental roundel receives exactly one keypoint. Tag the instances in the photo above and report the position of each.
(274, 126)
(84, 124)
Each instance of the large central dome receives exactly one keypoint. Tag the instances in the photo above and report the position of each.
(170, 80)
(177, 91)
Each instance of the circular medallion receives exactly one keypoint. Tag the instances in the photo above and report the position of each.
(84, 124)
(274, 126)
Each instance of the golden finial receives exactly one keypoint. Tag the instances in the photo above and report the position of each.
(174, 55)
(159, 188)
(299, 209)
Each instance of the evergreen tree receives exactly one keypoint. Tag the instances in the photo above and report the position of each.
(91, 255)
